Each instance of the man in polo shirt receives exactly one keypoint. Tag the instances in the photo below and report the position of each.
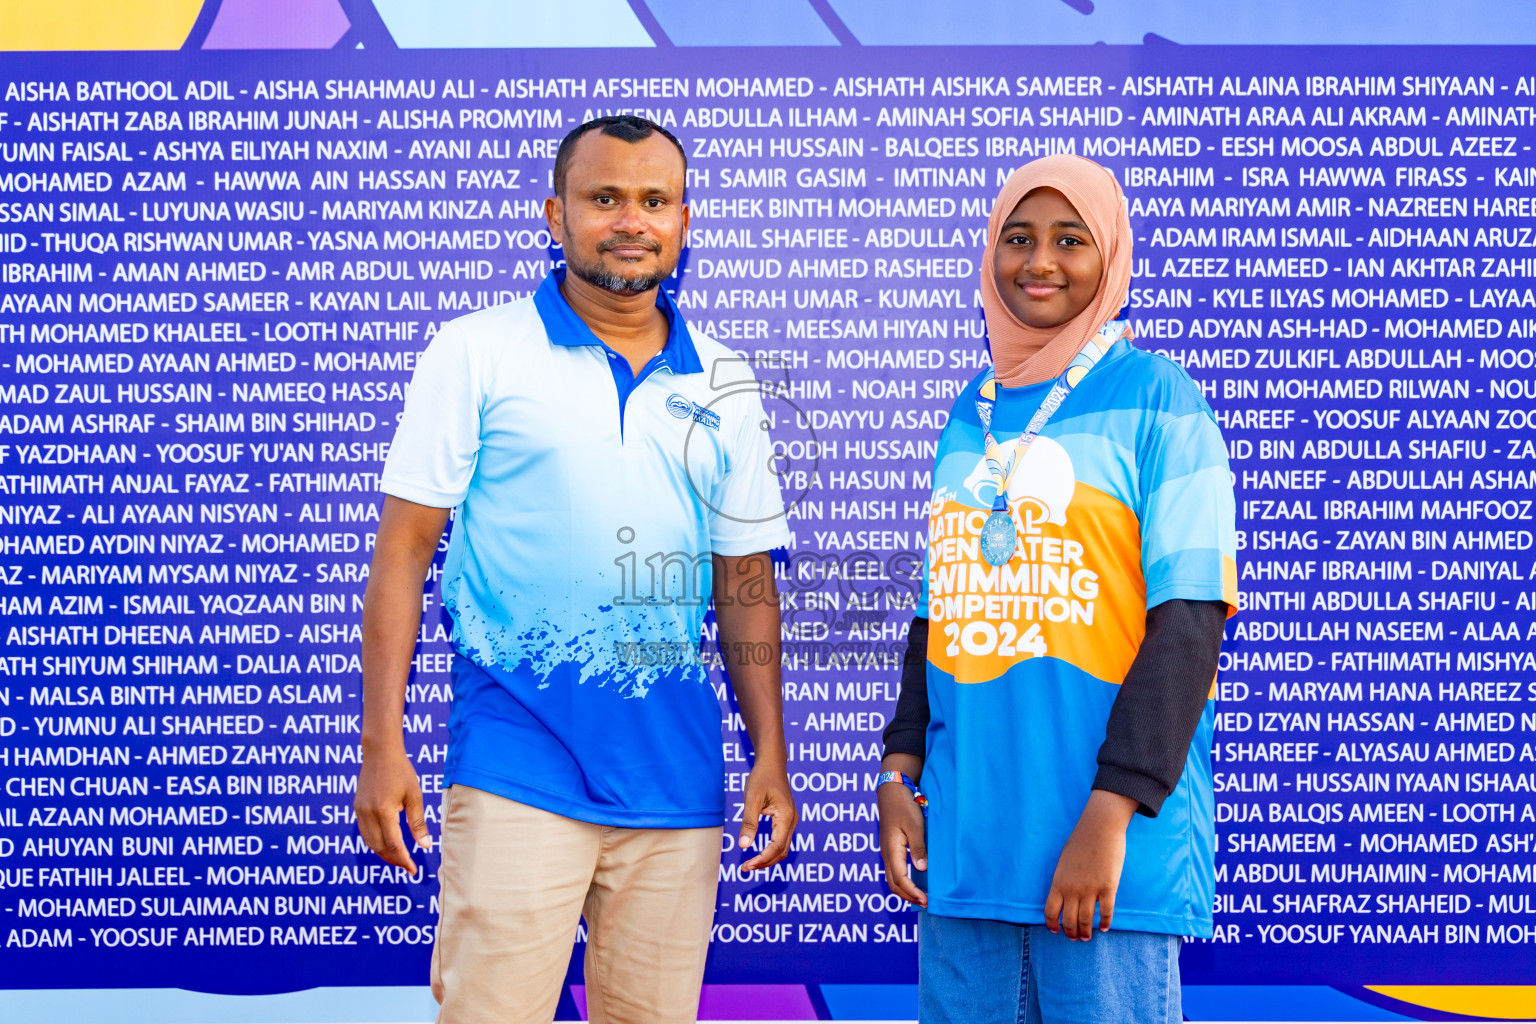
(611, 472)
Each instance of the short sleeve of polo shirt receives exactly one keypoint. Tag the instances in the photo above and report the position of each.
(436, 444)
(1188, 514)
(746, 508)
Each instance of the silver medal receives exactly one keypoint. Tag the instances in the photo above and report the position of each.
(998, 539)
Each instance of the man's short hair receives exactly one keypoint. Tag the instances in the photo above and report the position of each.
(621, 126)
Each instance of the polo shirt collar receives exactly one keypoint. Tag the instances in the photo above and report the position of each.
(565, 328)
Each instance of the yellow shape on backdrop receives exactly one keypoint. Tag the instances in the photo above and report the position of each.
(1502, 1002)
(93, 25)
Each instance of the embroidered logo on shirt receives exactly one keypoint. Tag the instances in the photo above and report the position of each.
(683, 409)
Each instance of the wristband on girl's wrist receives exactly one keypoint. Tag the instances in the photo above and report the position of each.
(917, 794)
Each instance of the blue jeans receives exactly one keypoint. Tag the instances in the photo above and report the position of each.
(993, 972)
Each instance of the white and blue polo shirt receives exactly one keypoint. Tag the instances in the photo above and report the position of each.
(578, 572)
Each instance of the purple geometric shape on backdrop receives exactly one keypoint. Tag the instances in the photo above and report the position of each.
(277, 25)
(738, 1002)
(756, 1002)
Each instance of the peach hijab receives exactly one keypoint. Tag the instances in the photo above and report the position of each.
(1028, 355)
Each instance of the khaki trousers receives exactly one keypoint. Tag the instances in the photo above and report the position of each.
(516, 881)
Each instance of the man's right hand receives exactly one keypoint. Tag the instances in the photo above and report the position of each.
(386, 781)
(386, 785)
(901, 833)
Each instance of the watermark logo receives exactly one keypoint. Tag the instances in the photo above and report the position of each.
(767, 401)
(835, 605)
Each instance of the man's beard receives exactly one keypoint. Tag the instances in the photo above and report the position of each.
(616, 281)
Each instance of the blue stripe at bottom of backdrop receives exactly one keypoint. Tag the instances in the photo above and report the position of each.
(1279, 1003)
(871, 1002)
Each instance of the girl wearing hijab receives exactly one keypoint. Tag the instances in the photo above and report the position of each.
(1055, 719)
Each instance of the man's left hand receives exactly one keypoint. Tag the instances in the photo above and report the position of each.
(768, 794)
(1088, 871)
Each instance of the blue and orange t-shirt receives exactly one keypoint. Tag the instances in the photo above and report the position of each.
(1124, 501)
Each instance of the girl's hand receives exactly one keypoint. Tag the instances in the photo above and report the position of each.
(1088, 871)
(901, 833)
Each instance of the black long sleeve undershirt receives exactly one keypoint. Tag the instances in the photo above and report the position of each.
(1154, 716)
(908, 728)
